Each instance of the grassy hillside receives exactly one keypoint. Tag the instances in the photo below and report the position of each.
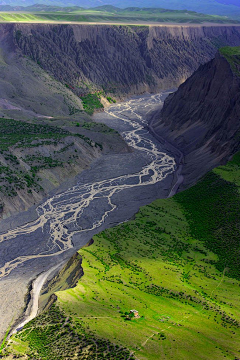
(110, 14)
(232, 54)
(177, 263)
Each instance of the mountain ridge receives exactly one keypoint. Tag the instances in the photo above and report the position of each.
(214, 7)
(91, 57)
(201, 117)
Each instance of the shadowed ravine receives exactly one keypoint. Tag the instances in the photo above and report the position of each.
(67, 221)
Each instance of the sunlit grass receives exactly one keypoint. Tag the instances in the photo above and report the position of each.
(161, 264)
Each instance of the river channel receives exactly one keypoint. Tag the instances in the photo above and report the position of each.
(108, 193)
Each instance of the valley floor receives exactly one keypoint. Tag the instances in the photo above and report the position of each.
(110, 192)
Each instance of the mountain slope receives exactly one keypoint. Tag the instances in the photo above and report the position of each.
(121, 60)
(202, 117)
(46, 137)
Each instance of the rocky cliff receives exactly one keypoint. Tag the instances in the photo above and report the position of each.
(202, 117)
(66, 278)
(118, 59)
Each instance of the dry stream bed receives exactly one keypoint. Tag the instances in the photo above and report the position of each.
(108, 193)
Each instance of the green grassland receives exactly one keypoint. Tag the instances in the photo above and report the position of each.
(232, 54)
(177, 263)
(111, 14)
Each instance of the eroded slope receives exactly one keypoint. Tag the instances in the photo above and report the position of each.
(119, 59)
(202, 117)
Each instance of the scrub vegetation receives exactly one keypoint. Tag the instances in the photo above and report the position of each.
(26, 148)
(91, 102)
(176, 263)
(23, 133)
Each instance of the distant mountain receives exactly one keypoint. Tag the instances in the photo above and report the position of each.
(229, 2)
(48, 8)
(229, 8)
(109, 8)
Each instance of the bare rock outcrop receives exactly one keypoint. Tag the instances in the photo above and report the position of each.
(202, 117)
(66, 278)
(119, 59)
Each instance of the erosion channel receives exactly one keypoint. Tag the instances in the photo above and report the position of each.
(108, 193)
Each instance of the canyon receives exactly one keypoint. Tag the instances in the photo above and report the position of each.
(110, 192)
(50, 64)
(73, 60)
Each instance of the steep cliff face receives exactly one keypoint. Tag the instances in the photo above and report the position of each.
(66, 278)
(202, 117)
(119, 59)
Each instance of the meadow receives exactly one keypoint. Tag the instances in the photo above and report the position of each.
(110, 14)
(176, 263)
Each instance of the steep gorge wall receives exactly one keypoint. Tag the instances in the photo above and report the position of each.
(202, 117)
(119, 59)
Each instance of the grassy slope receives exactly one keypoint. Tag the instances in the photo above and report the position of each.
(91, 15)
(232, 54)
(164, 264)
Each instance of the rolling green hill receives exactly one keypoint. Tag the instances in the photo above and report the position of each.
(177, 263)
(230, 8)
(107, 14)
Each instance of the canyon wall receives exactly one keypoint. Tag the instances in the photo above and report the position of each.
(119, 59)
(202, 117)
(66, 278)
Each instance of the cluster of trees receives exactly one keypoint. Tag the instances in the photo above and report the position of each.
(53, 336)
(212, 210)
